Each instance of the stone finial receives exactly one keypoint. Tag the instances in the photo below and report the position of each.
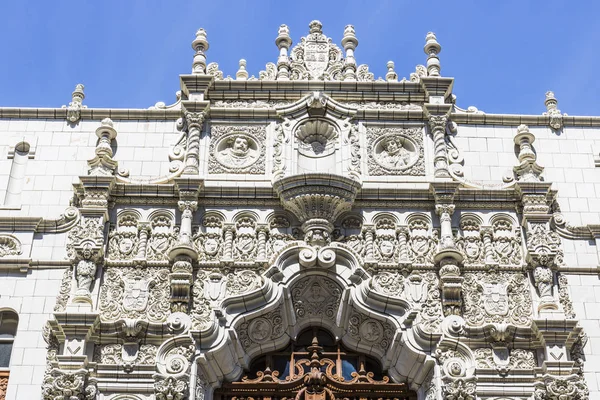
(76, 104)
(528, 169)
(315, 26)
(349, 42)
(432, 48)
(242, 74)
(283, 42)
(103, 163)
(556, 118)
(200, 45)
(283, 38)
(391, 75)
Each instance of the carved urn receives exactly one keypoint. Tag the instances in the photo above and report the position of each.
(317, 200)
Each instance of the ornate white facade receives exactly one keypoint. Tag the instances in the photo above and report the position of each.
(162, 253)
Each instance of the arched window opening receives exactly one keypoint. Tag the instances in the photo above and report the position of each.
(314, 367)
(8, 330)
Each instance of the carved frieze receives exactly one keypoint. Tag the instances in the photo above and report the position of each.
(112, 354)
(316, 297)
(518, 359)
(469, 241)
(395, 151)
(135, 293)
(499, 297)
(237, 149)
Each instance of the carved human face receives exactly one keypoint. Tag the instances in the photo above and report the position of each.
(391, 146)
(240, 145)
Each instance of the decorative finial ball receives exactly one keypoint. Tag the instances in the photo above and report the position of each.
(201, 41)
(431, 44)
(107, 122)
(349, 30)
(315, 26)
(284, 30)
(242, 63)
(79, 87)
(390, 65)
(522, 129)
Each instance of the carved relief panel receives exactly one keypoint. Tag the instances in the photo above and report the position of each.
(499, 297)
(135, 293)
(316, 297)
(123, 239)
(395, 151)
(237, 149)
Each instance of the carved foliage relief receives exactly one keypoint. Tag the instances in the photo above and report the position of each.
(395, 151)
(237, 149)
(498, 297)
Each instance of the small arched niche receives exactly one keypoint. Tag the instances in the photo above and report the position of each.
(315, 366)
(317, 141)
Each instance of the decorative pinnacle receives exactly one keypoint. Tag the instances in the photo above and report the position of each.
(242, 74)
(432, 48)
(391, 75)
(78, 92)
(283, 39)
(551, 102)
(315, 26)
(201, 42)
(349, 42)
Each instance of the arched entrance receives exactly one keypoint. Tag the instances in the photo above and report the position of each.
(314, 367)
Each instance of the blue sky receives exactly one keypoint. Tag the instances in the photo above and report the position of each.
(504, 55)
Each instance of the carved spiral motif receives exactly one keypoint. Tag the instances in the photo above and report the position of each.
(326, 258)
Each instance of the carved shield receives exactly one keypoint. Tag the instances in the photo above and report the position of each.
(503, 248)
(472, 249)
(211, 246)
(245, 244)
(495, 298)
(420, 245)
(386, 248)
(416, 290)
(136, 294)
(316, 56)
(126, 246)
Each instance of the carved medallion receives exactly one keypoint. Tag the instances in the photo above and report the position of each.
(371, 330)
(237, 149)
(395, 151)
(260, 329)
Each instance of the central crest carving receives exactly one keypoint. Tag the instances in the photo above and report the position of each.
(316, 296)
(316, 57)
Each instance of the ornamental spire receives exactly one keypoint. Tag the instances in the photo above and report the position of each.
(432, 48)
(349, 42)
(200, 45)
